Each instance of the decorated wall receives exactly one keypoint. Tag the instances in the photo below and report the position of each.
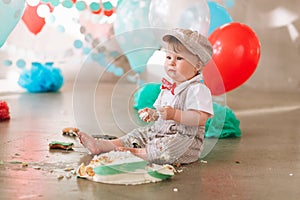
(256, 44)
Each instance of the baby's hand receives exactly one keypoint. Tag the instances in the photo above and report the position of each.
(147, 114)
(167, 112)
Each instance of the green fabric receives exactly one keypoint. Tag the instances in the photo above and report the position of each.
(224, 124)
(146, 96)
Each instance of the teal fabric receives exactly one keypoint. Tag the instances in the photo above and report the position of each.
(224, 124)
(146, 96)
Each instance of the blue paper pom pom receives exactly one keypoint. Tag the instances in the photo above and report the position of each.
(41, 78)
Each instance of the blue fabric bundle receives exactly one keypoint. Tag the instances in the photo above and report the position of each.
(41, 78)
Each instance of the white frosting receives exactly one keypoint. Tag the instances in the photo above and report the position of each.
(143, 115)
(116, 160)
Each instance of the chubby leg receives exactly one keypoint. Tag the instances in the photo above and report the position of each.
(140, 152)
(97, 146)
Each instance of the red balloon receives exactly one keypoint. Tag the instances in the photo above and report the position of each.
(213, 79)
(32, 20)
(236, 52)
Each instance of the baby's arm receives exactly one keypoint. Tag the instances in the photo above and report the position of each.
(188, 117)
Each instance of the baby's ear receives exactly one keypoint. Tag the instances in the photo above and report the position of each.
(199, 65)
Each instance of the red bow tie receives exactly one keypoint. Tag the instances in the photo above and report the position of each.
(167, 85)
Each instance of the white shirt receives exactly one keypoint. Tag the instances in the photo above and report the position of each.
(198, 97)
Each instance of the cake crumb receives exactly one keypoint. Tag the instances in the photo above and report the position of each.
(24, 164)
(69, 169)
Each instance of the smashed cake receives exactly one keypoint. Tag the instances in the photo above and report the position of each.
(70, 131)
(124, 168)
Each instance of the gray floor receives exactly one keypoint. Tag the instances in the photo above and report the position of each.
(263, 164)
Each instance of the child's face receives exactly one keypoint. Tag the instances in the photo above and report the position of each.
(180, 66)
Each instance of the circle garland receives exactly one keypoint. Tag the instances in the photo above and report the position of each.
(106, 8)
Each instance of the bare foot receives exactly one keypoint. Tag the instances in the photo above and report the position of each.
(93, 145)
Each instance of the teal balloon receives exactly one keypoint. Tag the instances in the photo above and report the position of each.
(218, 16)
(11, 12)
(133, 33)
(229, 3)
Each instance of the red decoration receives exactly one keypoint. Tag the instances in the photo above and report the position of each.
(236, 52)
(97, 11)
(4, 111)
(34, 22)
(108, 12)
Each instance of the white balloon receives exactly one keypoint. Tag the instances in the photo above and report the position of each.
(155, 67)
(33, 2)
(43, 11)
(188, 14)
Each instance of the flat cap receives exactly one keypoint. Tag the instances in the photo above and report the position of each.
(193, 41)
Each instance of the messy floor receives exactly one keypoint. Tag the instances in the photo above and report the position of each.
(264, 163)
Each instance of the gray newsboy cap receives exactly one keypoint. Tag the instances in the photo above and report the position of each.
(193, 41)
